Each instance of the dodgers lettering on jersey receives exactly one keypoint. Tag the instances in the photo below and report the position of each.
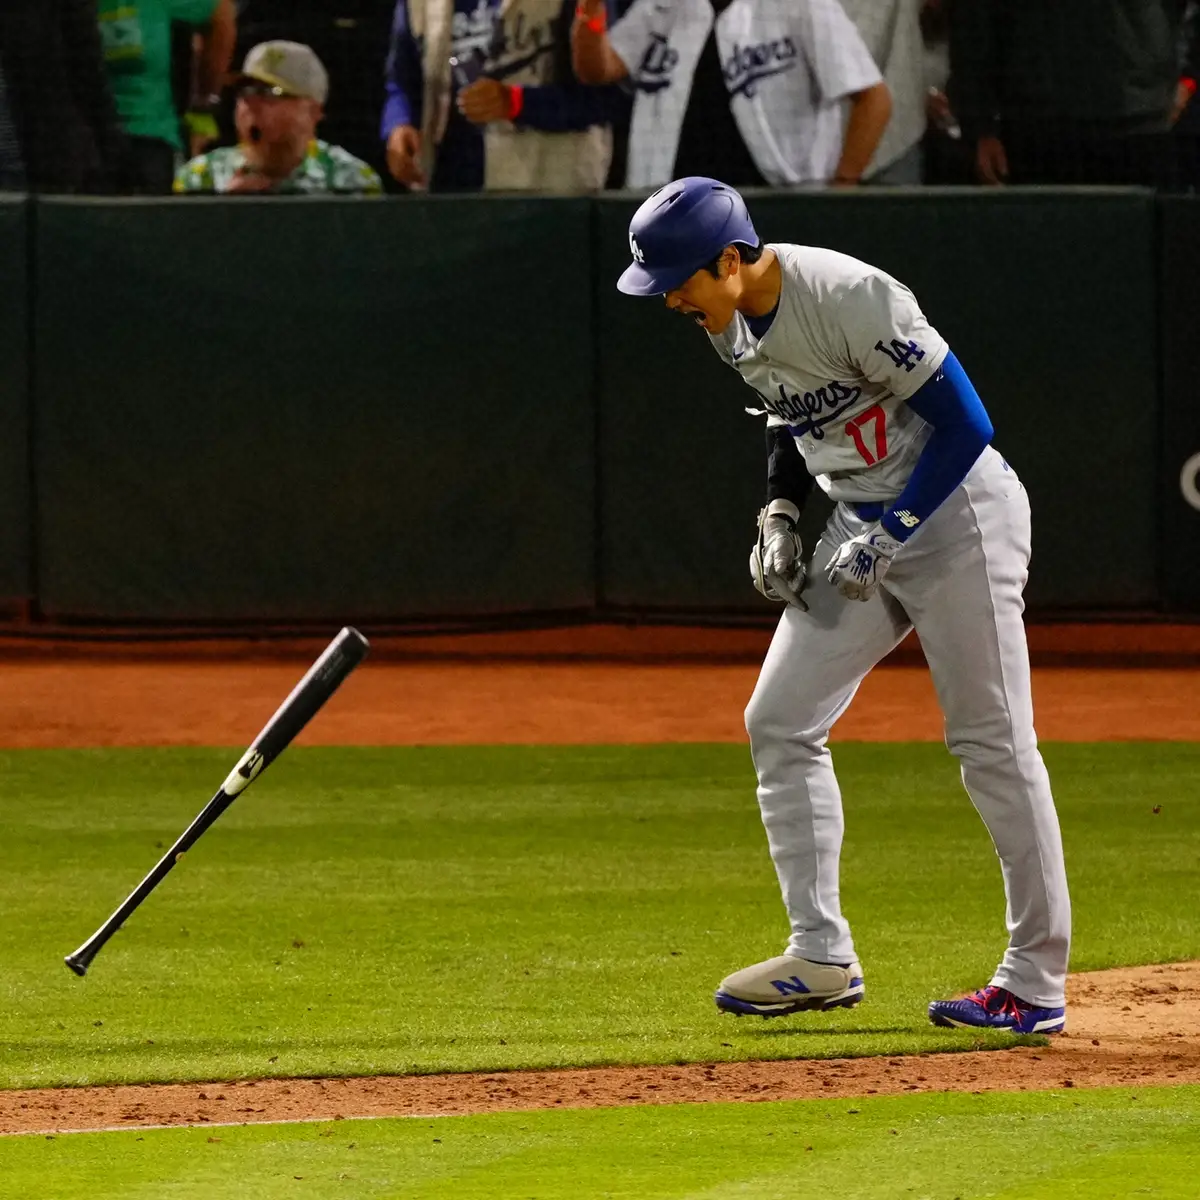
(849, 344)
(745, 67)
(789, 66)
(474, 30)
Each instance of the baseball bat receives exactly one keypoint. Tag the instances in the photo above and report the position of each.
(323, 678)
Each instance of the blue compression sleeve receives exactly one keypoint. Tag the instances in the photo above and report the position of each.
(961, 433)
(564, 108)
(403, 76)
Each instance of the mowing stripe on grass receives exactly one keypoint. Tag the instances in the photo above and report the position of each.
(136, 1128)
(1027, 1146)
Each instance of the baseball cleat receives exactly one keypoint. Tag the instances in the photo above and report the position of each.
(997, 1008)
(788, 985)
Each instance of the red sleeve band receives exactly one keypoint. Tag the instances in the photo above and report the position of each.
(595, 24)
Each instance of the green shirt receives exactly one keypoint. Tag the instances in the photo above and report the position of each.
(136, 37)
(325, 169)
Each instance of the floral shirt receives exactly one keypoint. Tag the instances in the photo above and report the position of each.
(325, 170)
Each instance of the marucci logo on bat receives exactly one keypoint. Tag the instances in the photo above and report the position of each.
(244, 774)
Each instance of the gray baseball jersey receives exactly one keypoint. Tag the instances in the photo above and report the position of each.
(848, 345)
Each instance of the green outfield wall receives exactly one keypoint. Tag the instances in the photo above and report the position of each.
(283, 411)
(266, 410)
(16, 521)
(1179, 476)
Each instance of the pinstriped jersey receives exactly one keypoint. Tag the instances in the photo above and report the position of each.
(848, 345)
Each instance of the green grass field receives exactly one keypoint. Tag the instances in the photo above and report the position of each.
(403, 910)
(395, 911)
(1029, 1146)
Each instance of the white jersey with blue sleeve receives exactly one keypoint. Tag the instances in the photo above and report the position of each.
(848, 345)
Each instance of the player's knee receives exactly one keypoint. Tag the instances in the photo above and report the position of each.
(769, 721)
(764, 720)
(761, 723)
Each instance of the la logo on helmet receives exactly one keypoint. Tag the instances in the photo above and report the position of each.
(636, 250)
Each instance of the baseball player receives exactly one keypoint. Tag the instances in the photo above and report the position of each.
(930, 531)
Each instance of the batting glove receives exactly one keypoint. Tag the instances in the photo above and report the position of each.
(861, 563)
(776, 565)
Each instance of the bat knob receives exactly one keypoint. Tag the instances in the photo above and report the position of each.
(78, 965)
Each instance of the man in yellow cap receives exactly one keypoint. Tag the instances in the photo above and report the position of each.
(282, 90)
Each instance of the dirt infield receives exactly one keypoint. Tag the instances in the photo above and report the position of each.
(1131, 1027)
(190, 703)
(1137, 1027)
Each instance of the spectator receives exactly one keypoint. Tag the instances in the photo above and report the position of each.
(508, 114)
(281, 91)
(350, 37)
(1057, 94)
(947, 160)
(1187, 114)
(891, 31)
(61, 109)
(136, 35)
(762, 91)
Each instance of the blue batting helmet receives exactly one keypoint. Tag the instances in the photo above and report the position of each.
(680, 229)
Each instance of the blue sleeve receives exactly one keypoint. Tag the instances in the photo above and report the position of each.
(566, 105)
(403, 76)
(961, 432)
(562, 108)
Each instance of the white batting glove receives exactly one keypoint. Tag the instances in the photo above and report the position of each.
(861, 563)
(776, 565)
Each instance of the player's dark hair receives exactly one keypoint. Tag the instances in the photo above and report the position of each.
(747, 253)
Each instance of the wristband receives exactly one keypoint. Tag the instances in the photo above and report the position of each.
(784, 508)
(595, 24)
(516, 100)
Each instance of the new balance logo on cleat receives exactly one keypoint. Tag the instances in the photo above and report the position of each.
(907, 519)
(784, 986)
